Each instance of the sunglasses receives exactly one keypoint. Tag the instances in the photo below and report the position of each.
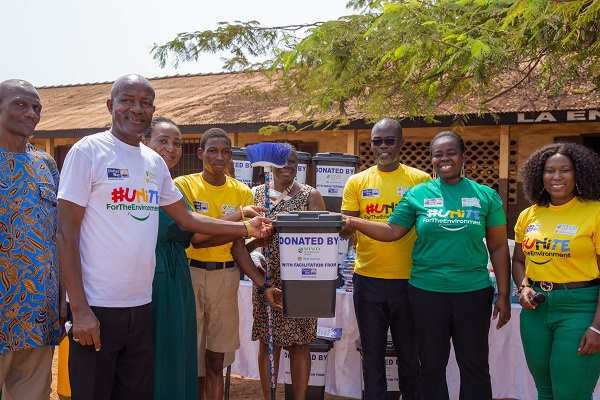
(388, 141)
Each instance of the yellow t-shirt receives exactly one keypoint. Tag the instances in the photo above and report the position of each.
(375, 194)
(560, 243)
(213, 201)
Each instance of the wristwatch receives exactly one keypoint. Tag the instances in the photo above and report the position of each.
(263, 287)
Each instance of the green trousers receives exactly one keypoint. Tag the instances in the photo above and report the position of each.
(551, 335)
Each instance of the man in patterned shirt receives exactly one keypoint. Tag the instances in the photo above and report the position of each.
(29, 291)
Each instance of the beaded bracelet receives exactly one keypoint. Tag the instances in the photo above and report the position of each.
(248, 229)
(246, 223)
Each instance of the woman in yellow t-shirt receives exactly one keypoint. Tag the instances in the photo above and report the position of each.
(557, 266)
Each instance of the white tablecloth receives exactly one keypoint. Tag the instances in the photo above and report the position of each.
(510, 376)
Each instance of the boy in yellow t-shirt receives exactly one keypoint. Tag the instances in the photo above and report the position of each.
(212, 268)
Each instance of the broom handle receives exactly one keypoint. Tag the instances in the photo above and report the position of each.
(267, 279)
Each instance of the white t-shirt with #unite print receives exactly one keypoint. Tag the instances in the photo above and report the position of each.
(121, 188)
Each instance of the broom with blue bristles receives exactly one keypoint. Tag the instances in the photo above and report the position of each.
(268, 155)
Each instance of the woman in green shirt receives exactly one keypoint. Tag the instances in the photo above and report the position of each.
(449, 287)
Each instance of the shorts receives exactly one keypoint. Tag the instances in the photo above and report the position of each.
(217, 316)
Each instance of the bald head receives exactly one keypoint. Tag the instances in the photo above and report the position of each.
(126, 80)
(10, 85)
(131, 105)
(20, 112)
(388, 125)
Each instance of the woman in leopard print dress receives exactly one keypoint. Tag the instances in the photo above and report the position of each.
(293, 333)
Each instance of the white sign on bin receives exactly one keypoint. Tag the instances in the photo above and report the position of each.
(318, 368)
(243, 171)
(391, 375)
(308, 256)
(301, 175)
(331, 179)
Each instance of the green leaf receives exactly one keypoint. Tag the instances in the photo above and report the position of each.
(479, 48)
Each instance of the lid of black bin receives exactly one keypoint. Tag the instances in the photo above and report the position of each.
(309, 218)
(337, 157)
(239, 152)
(321, 345)
(304, 156)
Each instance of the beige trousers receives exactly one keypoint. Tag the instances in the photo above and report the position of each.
(26, 374)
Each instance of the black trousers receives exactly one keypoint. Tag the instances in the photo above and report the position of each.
(123, 368)
(463, 318)
(382, 304)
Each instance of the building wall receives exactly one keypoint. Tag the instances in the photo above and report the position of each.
(531, 137)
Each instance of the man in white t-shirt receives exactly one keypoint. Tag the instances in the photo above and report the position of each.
(110, 191)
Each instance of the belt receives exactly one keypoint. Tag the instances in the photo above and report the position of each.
(211, 266)
(549, 286)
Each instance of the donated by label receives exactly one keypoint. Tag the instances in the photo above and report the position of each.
(307, 240)
(335, 170)
(331, 179)
(318, 368)
(242, 164)
(243, 171)
(308, 257)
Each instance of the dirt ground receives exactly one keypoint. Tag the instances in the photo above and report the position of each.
(240, 388)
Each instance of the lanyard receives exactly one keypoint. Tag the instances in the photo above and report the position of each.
(281, 196)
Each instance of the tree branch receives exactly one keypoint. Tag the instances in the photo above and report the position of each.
(516, 84)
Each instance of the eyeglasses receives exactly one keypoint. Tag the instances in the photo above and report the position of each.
(390, 141)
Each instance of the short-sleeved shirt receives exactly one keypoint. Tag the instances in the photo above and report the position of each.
(560, 243)
(375, 194)
(28, 265)
(213, 201)
(121, 187)
(450, 220)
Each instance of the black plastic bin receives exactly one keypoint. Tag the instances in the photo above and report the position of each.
(332, 171)
(391, 371)
(318, 368)
(308, 247)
